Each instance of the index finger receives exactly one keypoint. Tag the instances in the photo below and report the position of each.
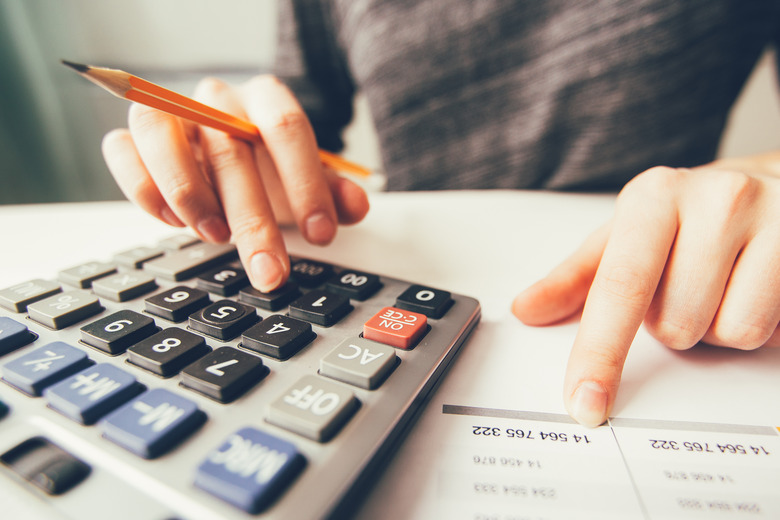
(633, 261)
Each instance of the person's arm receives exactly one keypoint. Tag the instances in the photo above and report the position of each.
(694, 253)
(227, 189)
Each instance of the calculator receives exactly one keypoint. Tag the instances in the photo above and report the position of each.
(160, 384)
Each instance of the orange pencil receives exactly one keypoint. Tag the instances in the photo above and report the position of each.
(133, 88)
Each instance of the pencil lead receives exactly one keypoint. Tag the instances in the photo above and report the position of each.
(78, 67)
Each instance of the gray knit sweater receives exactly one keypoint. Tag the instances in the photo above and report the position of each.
(552, 94)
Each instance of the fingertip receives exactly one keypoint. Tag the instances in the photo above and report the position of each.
(319, 228)
(266, 271)
(351, 201)
(589, 403)
(546, 303)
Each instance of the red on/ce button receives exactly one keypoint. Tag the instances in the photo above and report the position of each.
(395, 327)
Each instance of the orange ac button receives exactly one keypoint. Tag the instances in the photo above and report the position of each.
(395, 327)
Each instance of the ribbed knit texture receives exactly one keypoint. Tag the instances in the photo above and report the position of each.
(556, 94)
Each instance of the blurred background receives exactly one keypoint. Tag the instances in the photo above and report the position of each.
(52, 120)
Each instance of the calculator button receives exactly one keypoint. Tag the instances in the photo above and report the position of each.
(90, 394)
(320, 307)
(114, 333)
(395, 327)
(186, 263)
(355, 285)
(13, 335)
(64, 309)
(359, 362)
(278, 336)
(314, 408)
(152, 423)
(135, 258)
(44, 366)
(45, 465)
(3, 409)
(168, 351)
(431, 302)
(270, 301)
(121, 287)
(224, 374)
(17, 297)
(83, 275)
(176, 304)
(176, 242)
(225, 281)
(308, 273)
(224, 319)
(250, 469)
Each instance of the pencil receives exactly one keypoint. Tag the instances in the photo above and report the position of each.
(139, 90)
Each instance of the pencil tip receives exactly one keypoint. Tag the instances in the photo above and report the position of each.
(78, 67)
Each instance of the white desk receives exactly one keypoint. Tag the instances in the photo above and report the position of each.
(488, 245)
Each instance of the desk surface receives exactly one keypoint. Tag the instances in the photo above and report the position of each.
(488, 245)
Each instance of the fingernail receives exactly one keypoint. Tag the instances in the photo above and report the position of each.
(319, 228)
(214, 229)
(170, 217)
(589, 404)
(265, 271)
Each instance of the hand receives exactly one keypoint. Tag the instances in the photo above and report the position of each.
(224, 188)
(693, 253)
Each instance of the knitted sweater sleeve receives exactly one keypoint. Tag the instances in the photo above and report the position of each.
(310, 62)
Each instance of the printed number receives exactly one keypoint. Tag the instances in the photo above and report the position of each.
(353, 279)
(166, 345)
(117, 325)
(178, 296)
(223, 312)
(486, 430)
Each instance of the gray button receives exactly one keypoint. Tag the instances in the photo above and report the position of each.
(186, 263)
(17, 297)
(135, 257)
(62, 310)
(83, 275)
(176, 242)
(121, 287)
(359, 362)
(313, 407)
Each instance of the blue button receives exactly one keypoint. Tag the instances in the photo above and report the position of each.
(153, 422)
(250, 469)
(13, 335)
(44, 366)
(90, 394)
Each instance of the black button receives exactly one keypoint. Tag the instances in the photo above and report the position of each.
(224, 374)
(320, 307)
(431, 302)
(225, 280)
(270, 301)
(178, 303)
(309, 273)
(355, 285)
(114, 333)
(168, 351)
(224, 319)
(278, 336)
(45, 465)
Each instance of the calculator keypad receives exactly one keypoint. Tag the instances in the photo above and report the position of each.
(175, 338)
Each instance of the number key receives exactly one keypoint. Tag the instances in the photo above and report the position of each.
(178, 303)
(168, 351)
(224, 319)
(225, 280)
(320, 307)
(224, 374)
(114, 333)
(354, 284)
(431, 302)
